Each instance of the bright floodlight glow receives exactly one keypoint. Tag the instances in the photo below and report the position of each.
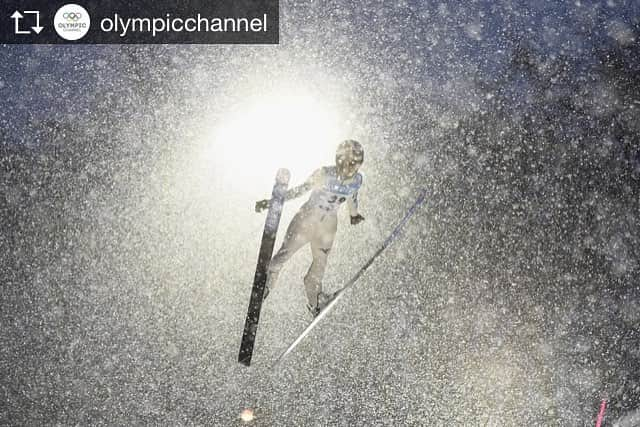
(296, 131)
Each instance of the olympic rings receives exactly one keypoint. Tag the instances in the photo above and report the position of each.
(72, 16)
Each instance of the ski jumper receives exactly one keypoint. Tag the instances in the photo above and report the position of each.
(316, 223)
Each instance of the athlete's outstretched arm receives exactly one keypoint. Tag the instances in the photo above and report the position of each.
(295, 192)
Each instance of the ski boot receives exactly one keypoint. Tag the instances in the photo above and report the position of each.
(323, 300)
(271, 278)
(313, 310)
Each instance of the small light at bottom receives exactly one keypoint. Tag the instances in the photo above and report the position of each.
(247, 415)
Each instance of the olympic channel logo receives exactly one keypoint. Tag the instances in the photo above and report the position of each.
(71, 16)
(72, 22)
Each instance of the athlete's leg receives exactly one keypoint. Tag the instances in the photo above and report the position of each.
(297, 235)
(321, 244)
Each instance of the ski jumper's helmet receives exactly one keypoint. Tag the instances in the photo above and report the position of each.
(349, 158)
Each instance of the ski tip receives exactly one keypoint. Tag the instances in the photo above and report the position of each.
(283, 176)
(281, 358)
(246, 361)
(334, 299)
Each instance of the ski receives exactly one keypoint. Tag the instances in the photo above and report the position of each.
(339, 294)
(264, 257)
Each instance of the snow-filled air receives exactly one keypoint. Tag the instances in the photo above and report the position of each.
(461, 222)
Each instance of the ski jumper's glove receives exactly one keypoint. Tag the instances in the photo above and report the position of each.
(262, 205)
(357, 219)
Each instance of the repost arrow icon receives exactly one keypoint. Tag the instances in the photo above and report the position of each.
(17, 16)
(37, 28)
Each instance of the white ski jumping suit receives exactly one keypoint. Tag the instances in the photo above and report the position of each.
(316, 223)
